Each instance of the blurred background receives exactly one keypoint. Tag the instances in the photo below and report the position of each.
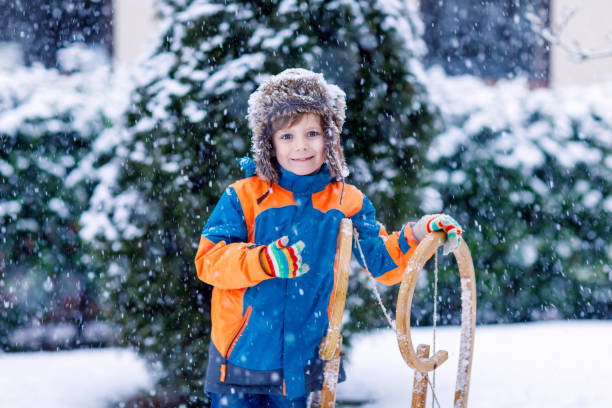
(120, 123)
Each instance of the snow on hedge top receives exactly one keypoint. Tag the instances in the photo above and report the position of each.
(571, 125)
(36, 100)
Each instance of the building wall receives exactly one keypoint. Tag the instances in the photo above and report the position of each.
(590, 26)
(133, 25)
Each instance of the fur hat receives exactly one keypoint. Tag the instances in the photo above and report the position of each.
(293, 91)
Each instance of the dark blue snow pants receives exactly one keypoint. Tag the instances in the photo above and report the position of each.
(241, 400)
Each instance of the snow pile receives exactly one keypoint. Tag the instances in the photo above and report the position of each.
(523, 365)
(74, 379)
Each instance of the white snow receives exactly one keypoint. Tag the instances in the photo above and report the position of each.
(199, 10)
(228, 77)
(547, 364)
(71, 379)
(10, 208)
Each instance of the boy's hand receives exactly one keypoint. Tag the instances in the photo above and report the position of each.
(440, 222)
(282, 261)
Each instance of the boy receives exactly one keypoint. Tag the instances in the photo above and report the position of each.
(269, 246)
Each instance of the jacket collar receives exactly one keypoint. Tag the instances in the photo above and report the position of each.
(290, 181)
(310, 184)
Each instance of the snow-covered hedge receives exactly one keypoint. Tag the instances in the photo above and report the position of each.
(49, 122)
(529, 173)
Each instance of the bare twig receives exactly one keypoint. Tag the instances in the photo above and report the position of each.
(553, 36)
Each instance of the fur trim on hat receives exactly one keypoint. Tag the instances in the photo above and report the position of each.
(293, 91)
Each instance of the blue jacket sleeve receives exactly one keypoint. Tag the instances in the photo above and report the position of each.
(226, 222)
(225, 258)
(386, 255)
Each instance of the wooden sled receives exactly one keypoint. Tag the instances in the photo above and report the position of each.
(330, 348)
(420, 361)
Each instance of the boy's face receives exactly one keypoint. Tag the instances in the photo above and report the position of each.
(300, 147)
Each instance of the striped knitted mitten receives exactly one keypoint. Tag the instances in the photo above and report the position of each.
(282, 261)
(440, 222)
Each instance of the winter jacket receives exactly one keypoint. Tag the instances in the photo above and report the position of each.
(266, 331)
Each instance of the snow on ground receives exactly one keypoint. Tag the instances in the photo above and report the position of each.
(547, 364)
(70, 379)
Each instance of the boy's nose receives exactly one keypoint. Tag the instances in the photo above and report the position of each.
(300, 143)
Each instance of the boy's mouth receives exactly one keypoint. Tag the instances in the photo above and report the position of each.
(304, 159)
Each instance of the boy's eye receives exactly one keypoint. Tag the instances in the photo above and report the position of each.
(286, 136)
(313, 133)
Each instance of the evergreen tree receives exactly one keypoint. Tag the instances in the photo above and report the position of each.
(187, 127)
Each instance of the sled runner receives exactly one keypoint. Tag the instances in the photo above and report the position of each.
(331, 346)
(420, 361)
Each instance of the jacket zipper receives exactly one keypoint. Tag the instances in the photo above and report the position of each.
(245, 320)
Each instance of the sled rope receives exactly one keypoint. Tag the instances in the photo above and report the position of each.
(390, 321)
(435, 318)
(432, 385)
(373, 282)
(433, 390)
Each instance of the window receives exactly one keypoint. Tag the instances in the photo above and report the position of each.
(488, 39)
(41, 27)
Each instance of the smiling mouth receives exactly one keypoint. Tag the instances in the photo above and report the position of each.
(303, 159)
